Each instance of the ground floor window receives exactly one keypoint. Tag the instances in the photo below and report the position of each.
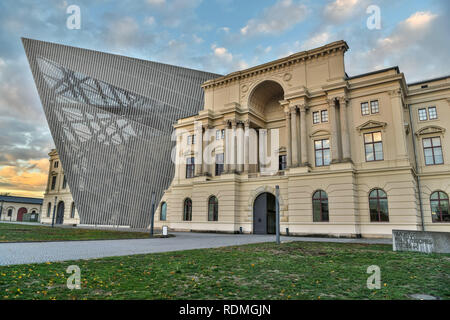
(72, 210)
(187, 212)
(213, 209)
(49, 209)
(320, 206)
(378, 205)
(439, 207)
(163, 213)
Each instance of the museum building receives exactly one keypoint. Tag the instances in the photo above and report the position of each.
(356, 156)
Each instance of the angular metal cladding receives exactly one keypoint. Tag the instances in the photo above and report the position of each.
(111, 118)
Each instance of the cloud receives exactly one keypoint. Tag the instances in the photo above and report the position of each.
(156, 2)
(282, 16)
(340, 11)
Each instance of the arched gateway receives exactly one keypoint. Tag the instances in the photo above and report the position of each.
(264, 214)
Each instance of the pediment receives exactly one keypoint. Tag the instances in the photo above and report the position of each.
(371, 124)
(320, 133)
(430, 130)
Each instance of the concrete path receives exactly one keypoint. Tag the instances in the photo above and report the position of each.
(37, 252)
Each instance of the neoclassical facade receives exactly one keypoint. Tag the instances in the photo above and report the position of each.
(57, 193)
(20, 209)
(352, 156)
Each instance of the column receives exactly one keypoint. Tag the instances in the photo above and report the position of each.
(294, 136)
(346, 154)
(226, 149)
(303, 136)
(233, 146)
(334, 132)
(246, 146)
(399, 123)
(198, 128)
(240, 147)
(178, 148)
(287, 114)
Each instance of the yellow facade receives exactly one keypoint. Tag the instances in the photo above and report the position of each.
(289, 95)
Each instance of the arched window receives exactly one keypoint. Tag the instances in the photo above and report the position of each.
(378, 206)
(439, 207)
(187, 213)
(10, 212)
(163, 213)
(72, 210)
(49, 209)
(320, 206)
(213, 209)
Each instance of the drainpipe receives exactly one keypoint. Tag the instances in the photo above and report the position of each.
(417, 168)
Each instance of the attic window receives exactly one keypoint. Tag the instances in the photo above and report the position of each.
(424, 86)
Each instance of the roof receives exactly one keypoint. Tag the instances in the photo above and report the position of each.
(21, 200)
(373, 72)
(429, 80)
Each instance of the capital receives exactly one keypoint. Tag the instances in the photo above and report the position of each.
(331, 102)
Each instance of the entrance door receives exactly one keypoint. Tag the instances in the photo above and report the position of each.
(20, 214)
(60, 213)
(264, 214)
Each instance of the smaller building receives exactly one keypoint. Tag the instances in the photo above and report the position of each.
(20, 209)
(57, 196)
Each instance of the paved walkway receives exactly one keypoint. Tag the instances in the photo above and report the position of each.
(24, 253)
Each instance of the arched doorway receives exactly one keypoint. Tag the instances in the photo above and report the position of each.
(20, 214)
(264, 214)
(60, 213)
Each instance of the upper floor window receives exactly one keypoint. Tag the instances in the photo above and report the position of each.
(282, 162)
(374, 107)
(187, 210)
(55, 164)
(64, 182)
(432, 150)
(324, 115)
(439, 207)
(191, 139)
(190, 167)
(373, 146)
(219, 164)
(163, 213)
(320, 206)
(53, 182)
(213, 209)
(322, 151)
(378, 206)
(220, 134)
(429, 113)
(320, 116)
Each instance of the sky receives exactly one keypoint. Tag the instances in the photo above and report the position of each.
(219, 36)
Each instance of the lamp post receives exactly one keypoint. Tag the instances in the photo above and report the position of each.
(277, 208)
(54, 211)
(1, 210)
(153, 214)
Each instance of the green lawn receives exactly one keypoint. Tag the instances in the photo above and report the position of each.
(22, 232)
(296, 270)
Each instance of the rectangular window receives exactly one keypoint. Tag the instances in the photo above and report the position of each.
(316, 117)
(282, 162)
(365, 109)
(64, 182)
(55, 165)
(190, 168)
(220, 134)
(374, 107)
(423, 114)
(432, 113)
(219, 164)
(322, 151)
(324, 115)
(432, 149)
(373, 146)
(191, 139)
(53, 182)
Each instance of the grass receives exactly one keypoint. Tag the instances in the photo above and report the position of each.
(26, 233)
(295, 270)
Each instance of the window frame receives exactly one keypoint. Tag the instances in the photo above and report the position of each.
(282, 162)
(53, 182)
(378, 199)
(190, 167)
(439, 200)
(321, 202)
(368, 108)
(432, 151)
(419, 114)
(316, 120)
(377, 104)
(187, 203)
(373, 146)
(163, 206)
(322, 149)
(435, 112)
(72, 210)
(215, 209)
(322, 112)
(219, 167)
